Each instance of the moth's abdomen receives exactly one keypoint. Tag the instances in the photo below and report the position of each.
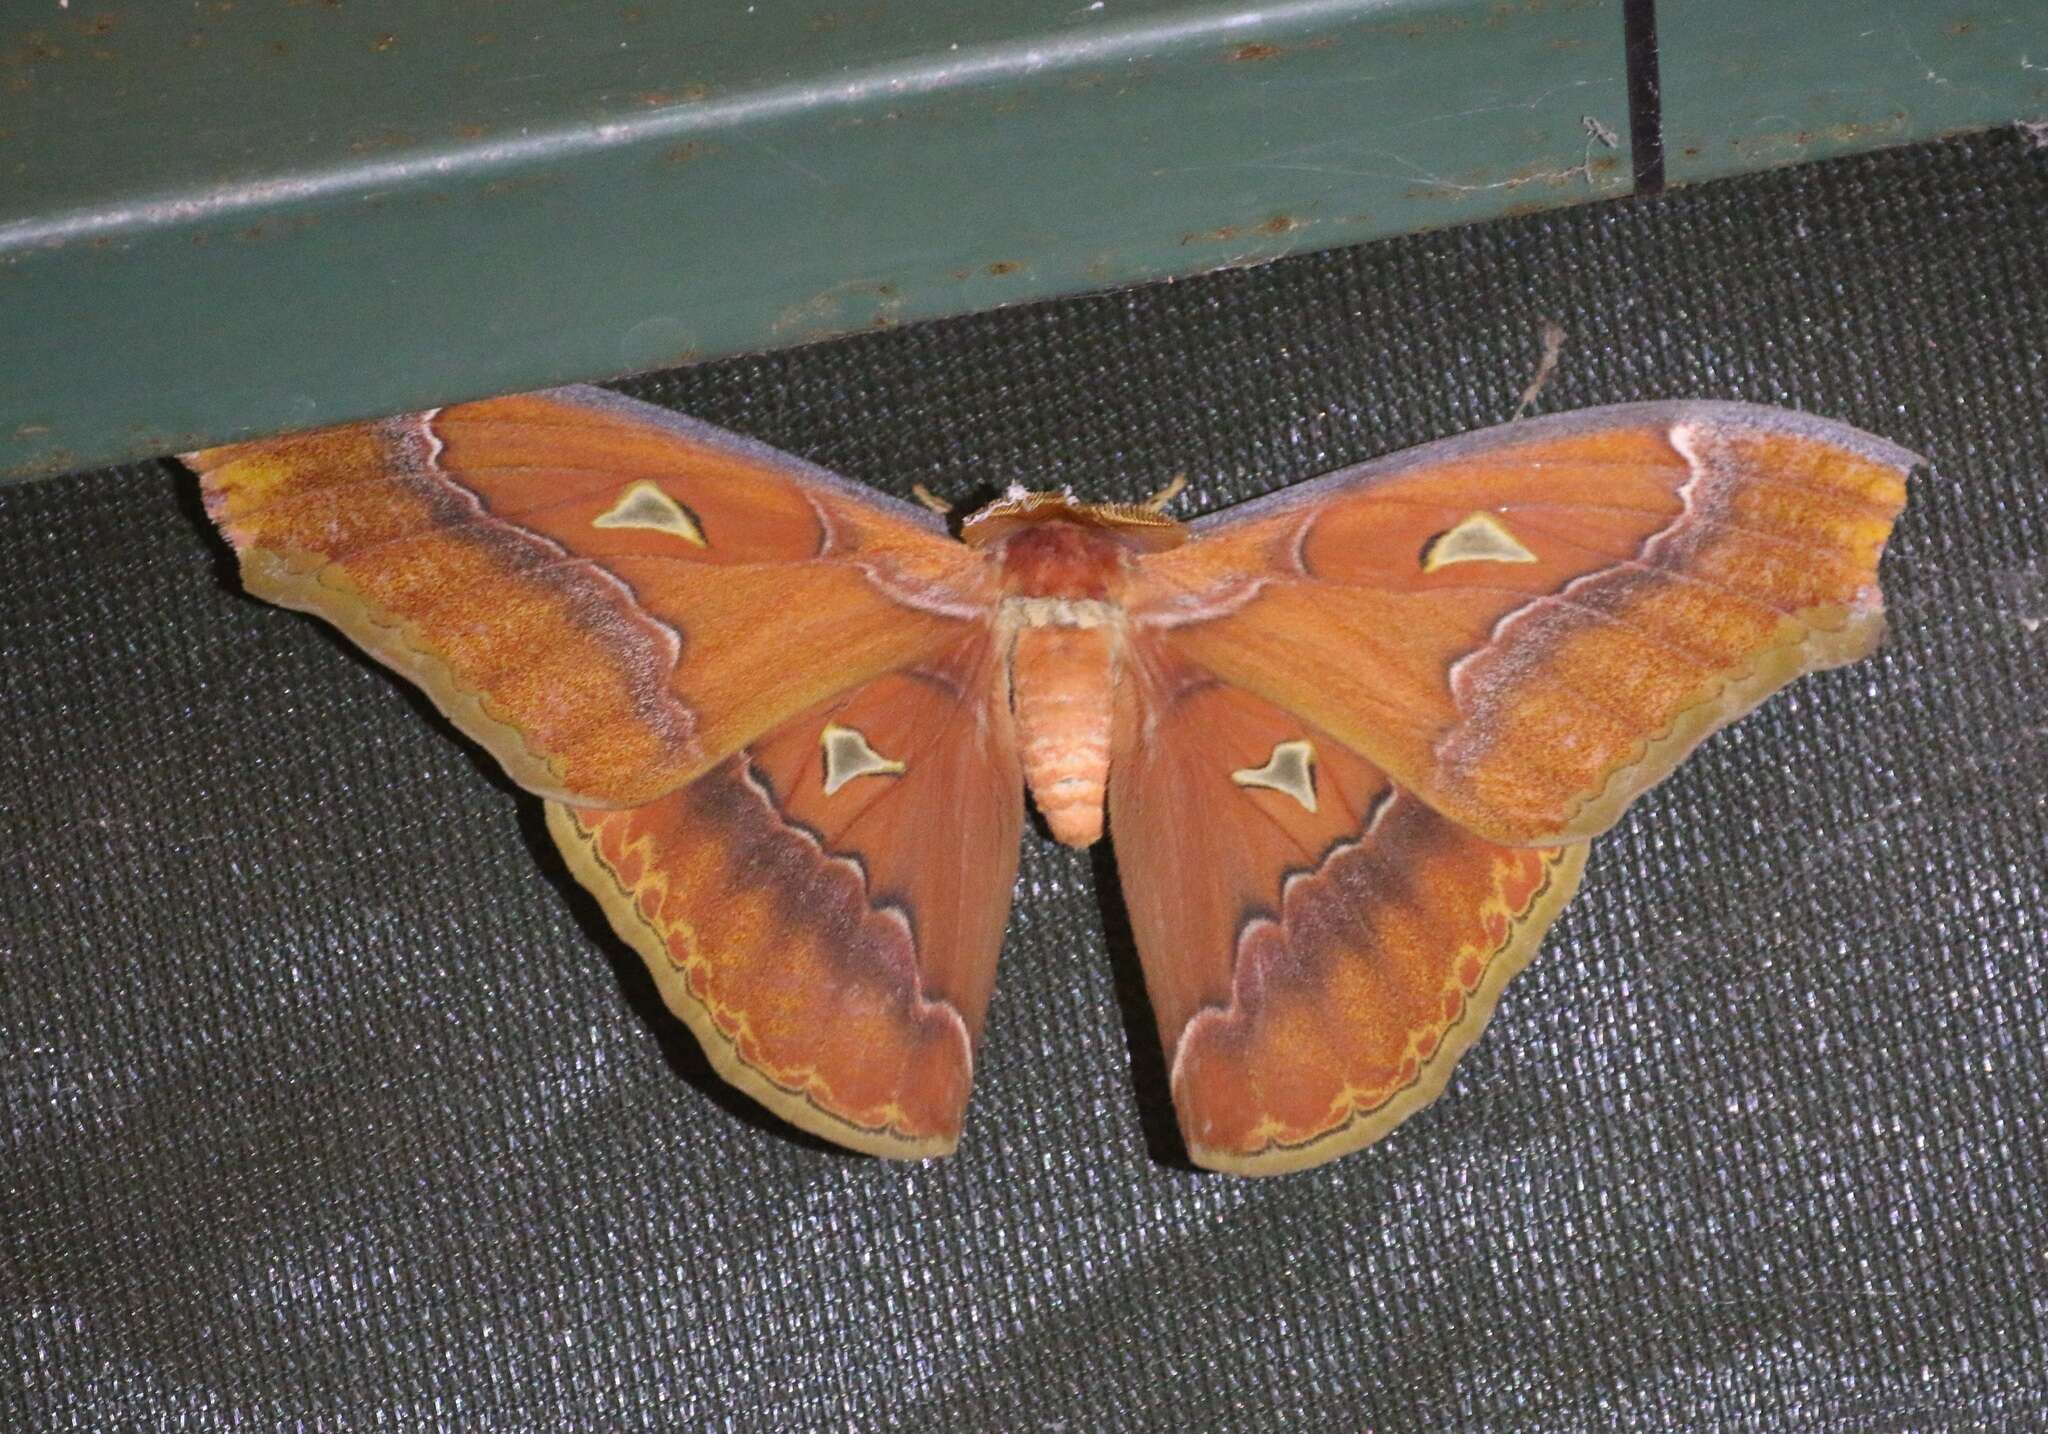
(1061, 683)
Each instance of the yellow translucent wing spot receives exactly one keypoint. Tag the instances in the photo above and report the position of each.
(848, 755)
(1479, 538)
(1291, 769)
(645, 506)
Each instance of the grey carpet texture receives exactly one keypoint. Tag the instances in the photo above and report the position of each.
(330, 1102)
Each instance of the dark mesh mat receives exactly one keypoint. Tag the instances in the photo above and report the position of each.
(330, 1103)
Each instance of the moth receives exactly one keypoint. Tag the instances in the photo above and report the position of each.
(1350, 739)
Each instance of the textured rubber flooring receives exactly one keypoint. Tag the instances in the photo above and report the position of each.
(329, 1102)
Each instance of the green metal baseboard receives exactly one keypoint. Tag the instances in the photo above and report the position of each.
(228, 219)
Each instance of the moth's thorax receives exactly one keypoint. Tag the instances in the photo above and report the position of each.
(1066, 561)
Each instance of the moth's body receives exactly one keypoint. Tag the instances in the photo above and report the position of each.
(1350, 740)
(1062, 633)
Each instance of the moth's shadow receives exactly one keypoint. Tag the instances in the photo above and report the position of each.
(964, 502)
(227, 569)
(1151, 1082)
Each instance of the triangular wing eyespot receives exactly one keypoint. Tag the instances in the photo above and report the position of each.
(643, 504)
(833, 952)
(1623, 582)
(1478, 537)
(1291, 770)
(846, 756)
(1315, 971)
(580, 582)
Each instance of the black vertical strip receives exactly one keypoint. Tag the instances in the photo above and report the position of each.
(1645, 99)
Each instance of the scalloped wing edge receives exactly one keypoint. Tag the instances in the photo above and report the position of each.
(267, 576)
(1364, 1127)
(793, 1105)
(1820, 649)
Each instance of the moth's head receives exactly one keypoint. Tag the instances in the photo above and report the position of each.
(1139, 527)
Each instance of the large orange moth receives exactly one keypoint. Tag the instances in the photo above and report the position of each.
(1351, 739)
